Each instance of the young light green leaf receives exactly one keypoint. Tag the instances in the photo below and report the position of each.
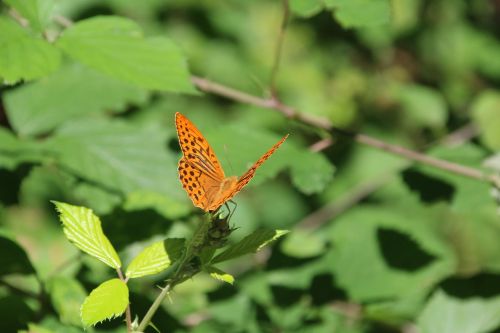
(250, 244)
(156, 257)
(107, 301)
(83, 228)
(41, 106)
(360, 13)
(115, 46)
(445, 314)
(37, 12)
(219, 274)
(24, 57)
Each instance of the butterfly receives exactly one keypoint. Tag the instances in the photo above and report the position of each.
(201, 173)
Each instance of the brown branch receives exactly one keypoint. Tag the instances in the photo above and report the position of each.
(291, 113)
(279, 48)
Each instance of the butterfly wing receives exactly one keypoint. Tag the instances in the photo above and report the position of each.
(199, 187)
(199, 169)
(247, 176)
(196, 149)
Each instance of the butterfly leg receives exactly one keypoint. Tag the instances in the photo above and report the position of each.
(227, 206)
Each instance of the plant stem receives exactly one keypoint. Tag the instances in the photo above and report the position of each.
(128, 314)
(178, 275)
(322, 123)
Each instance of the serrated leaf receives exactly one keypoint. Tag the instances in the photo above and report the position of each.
(118, 156)
(360, 13)
(23, 57)
(72, 92)
(250, 244)
(156, 257)
(219, 274)
(107, 301)
(446, 314)
(67, 296)
(37, 12)
(115, 46)
(83, 228)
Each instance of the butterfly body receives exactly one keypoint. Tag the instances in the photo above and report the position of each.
(200, 171)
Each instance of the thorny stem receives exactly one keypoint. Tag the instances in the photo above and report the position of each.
(128, 314)
(279, 48)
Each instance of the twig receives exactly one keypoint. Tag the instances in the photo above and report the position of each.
(63, 21)
(128, 314)
(291, 113)
(16, 16)
(279, 48)
(321, 145)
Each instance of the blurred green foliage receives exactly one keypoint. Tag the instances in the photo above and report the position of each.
(87, 117)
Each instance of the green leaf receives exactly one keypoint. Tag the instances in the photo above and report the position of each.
(83, 228)
(33, 328)
(107, 301)
(17, 261)
(67, 295)
(118, 156)
(164, 205)
(23, 57)
(156, 257)
(72, 92)
(486, 114)
(423, 106)
(359, 262)
(219, 275)
(303, 243)
(37, 12)
(250, 244)
(14, 151)
(445, 314)
(306, 8)
(115, 46)
(360, 13)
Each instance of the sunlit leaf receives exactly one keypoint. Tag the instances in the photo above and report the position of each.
(250, 244)
(115, 46)
(156, 257)
(83, 228)
(74, 91)
(446, 314)
(37, 12)
(219, 274)
(107, 301)
(24, 57)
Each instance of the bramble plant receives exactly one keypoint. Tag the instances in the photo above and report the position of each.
(184, 258)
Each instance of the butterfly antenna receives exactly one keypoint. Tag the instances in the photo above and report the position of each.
(228, 160)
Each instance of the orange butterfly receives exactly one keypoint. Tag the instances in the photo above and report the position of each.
(200, 172)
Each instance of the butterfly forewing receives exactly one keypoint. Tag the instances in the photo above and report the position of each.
(196, 149)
